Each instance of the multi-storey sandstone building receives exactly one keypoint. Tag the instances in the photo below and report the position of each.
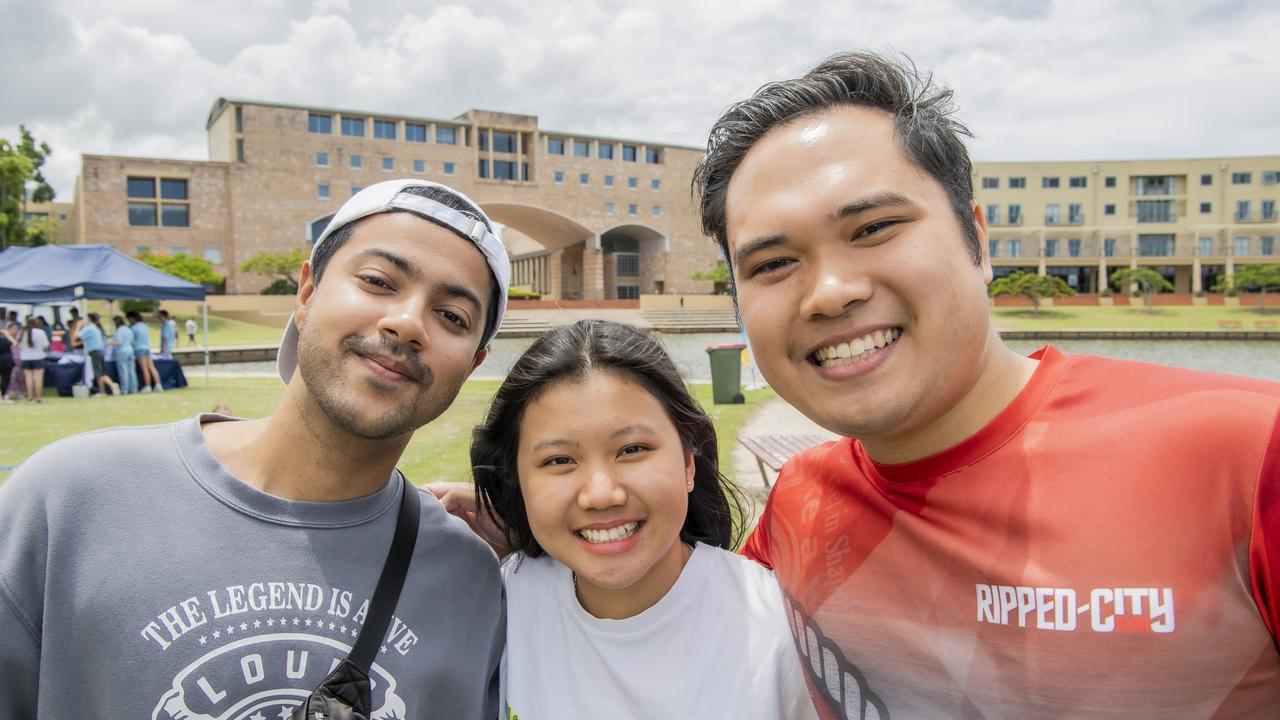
(611, 218)
(593, 217)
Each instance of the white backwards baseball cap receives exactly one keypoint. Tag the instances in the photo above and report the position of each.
(390, 196)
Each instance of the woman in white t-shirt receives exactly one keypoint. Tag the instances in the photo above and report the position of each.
(32, 346)
(624, 598)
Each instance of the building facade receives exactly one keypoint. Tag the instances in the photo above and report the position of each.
(1193, 221)
(585, 217)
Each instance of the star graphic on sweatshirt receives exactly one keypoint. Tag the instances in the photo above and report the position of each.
(257, 624)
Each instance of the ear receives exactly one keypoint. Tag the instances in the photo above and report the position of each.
(984, 250)
(480, 356)
(690, 469)
(306, 290)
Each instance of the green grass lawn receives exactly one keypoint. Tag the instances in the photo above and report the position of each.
(437, 452)
(1178, 317)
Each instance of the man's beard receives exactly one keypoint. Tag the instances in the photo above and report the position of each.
(327, 386)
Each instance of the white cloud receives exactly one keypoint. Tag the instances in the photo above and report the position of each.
(1035, 79)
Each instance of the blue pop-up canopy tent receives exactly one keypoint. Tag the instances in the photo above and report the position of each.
(67, 273)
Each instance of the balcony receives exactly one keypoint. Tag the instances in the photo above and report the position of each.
(1255, 217)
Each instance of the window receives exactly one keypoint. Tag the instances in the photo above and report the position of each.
(629, 153)
(633, 182)
(1017, 183)
(388, 163)
(1155, 211)
(604, 151)
(1078, 181)
(652, 156)
(1049, 182)
(143, 214)
(1268, 209)
(177, 250)
(1271, 177)
(355, 161)
(446, 135)
(505, 170)
(993, 247)
(353, 127)
(1242, 245)
(484, 168)
(628, 292)
(174, 215)
(610, 208)
(1109, 247)
(993, 214)
(141, 187)
(213, 255)
(355, 189)
(633, 209)
(628, 264)
(449, 168)
(1206, 207)
(384, 129)
(584, 178)
(1206, 179)
(419, 166)
(239, 118)
(608, 181)
(322, 124)
(1242, 209)
(559, 175)
(322, 159)
(1051, 247)
(1204, 246)
(655, 184)
(990, 183)
(656, 210)
(1073, 247)
(239, 150)
(1075, 213)
(1052, 214)
(555, 146)
(1109, 209)
(1109, 181)
(1267, 245)
(582, 148)
(1242, 178)
(1015, 214)
(503, 142)
(1156, 185)
(1155, 245)
(1015, 248)
(415, 132)
(322, 192)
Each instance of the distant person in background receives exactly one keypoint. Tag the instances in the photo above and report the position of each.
(43, 326)
(32, 348)
(168, 335)
(72, 337)
(191, 332)
(93, 339)
(147, 373)
(122, 342)
(15, 385)
(7, 342)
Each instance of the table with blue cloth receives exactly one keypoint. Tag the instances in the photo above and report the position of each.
(61, 376)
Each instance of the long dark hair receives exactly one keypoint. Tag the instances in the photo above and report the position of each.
(569, 354)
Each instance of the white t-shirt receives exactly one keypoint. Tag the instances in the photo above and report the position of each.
(34, 348)
(716, 646)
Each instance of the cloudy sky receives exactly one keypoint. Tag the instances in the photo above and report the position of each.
(1035, 79)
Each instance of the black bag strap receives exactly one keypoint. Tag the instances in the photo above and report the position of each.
(387, 593)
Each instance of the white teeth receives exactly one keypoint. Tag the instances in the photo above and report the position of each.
(622, 532)
(856, 349)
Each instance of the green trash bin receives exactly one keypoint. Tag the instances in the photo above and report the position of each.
(726, 373)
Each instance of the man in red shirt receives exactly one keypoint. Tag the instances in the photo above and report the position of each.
(996, 536)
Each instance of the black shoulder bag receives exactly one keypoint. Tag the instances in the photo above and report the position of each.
(345, 694)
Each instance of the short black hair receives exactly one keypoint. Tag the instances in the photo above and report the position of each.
(567, 354)
(924, 122)
(324, 253)
(134, 315)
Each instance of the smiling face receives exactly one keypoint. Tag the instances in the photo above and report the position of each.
(390, 334)
(606, 491)
(863, 303)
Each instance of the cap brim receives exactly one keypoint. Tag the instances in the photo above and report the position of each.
(287, 355)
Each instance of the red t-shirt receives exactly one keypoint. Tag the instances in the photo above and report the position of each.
(1107, 547)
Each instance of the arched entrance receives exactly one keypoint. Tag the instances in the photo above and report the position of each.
(635, 261)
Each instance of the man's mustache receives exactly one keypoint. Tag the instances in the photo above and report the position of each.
(381, 345)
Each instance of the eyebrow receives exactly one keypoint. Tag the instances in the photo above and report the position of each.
(553, 442)
(455, 290)
(881, 200)
(565, 442)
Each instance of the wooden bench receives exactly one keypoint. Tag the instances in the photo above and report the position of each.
(775, 450)
(1265, 324)
(1229, 324)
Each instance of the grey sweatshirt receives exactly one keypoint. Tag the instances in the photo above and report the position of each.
(138, 579)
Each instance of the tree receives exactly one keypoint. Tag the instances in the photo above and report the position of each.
(191, 269)
(280, 265)
(19, 164)
(1032, 286)
(1250, 277)
(718, 275)
(1148, 281)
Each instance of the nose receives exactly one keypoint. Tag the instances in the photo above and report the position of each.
(601, 491)
(404, 322)
(834, 284)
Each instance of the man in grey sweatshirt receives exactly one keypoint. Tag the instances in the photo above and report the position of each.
(214, 568)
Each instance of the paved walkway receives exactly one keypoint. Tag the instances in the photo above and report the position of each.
(774, 416)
